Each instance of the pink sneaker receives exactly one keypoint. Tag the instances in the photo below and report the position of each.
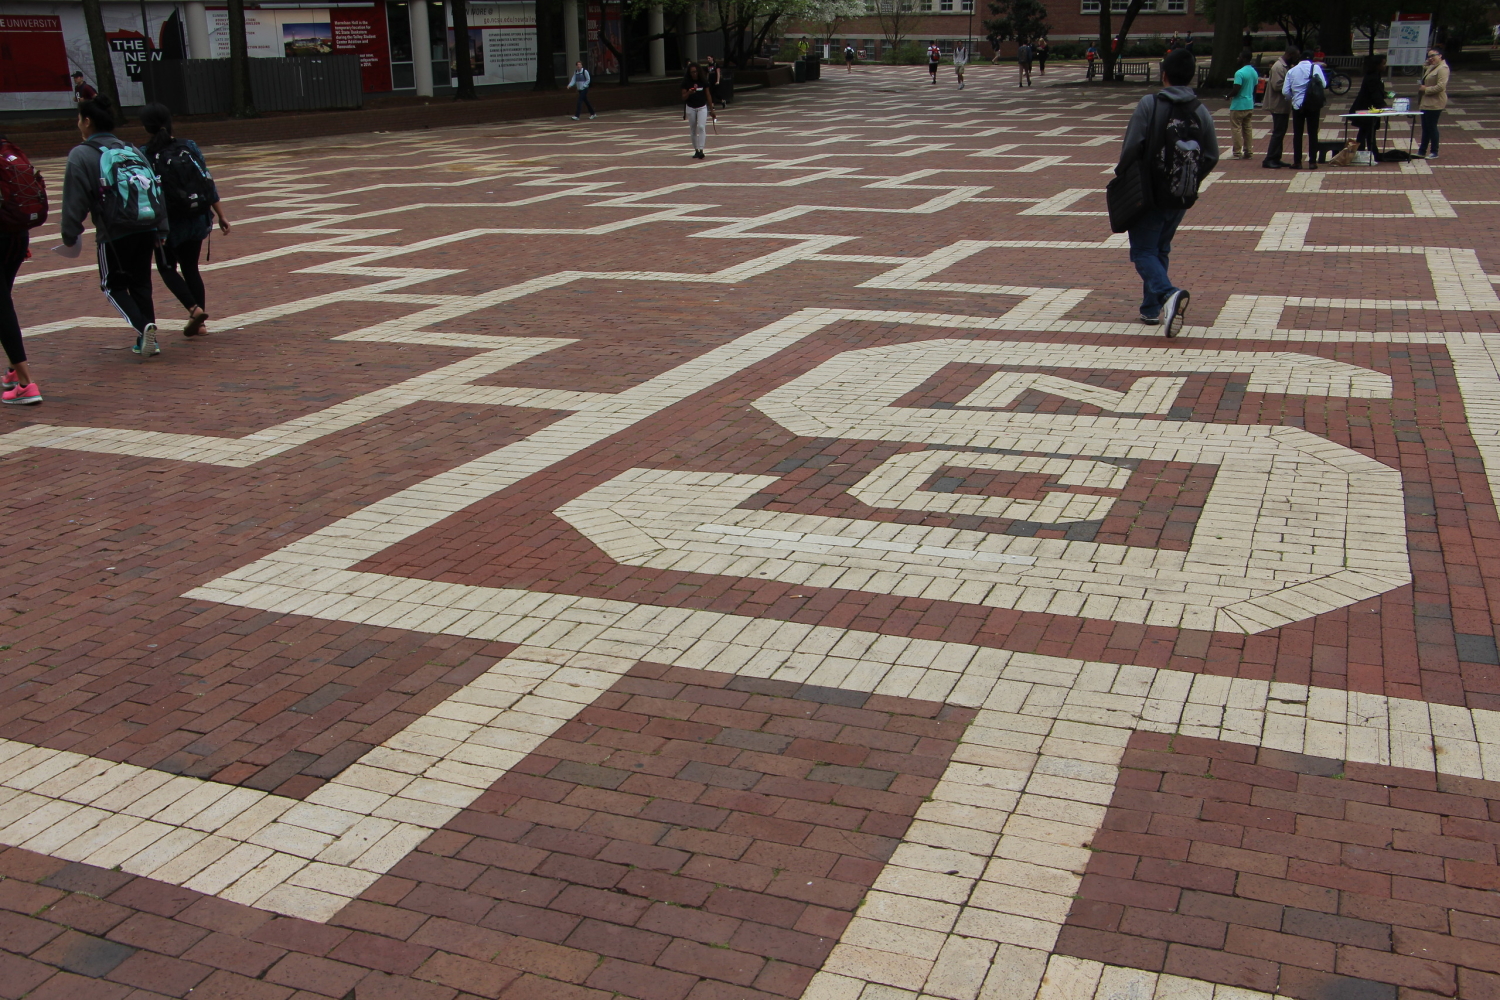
(10, 381)
(22, 395)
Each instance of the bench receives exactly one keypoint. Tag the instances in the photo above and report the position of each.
(1126, 68)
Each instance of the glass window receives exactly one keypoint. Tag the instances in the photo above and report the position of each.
(398, 24)
(1177, 6)
(924, 5)
(945, 5)
(1090, 6)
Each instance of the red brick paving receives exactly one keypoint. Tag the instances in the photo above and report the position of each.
(689, 835)
(1313, 877)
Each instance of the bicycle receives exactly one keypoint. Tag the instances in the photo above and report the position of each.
(1338, 82)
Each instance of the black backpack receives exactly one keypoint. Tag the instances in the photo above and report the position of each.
(185, 181)
(1177, 155)
(1316, 96)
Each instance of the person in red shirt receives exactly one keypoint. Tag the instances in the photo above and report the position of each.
(934, 56)
(82, 91)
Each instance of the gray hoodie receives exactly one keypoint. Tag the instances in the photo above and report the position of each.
(80, 198)
(1138, 132)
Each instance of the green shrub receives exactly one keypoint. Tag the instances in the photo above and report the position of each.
(906, 54)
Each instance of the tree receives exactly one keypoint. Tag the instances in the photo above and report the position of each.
(827, 15)
(1229, 29)
(104, 65)
(1018, 19)
(747, 24)
(239, 62)
(463, 65)
(1295, 18)
(1334, 28)
(546, 72)
(1131, 11)
(895, 18)
(1369, 16)
(1106, 49)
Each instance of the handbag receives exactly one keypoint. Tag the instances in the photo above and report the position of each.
(1128, 196)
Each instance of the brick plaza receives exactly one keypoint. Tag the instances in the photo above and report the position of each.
(570, 570)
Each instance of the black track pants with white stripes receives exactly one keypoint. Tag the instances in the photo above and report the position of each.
(125, 276)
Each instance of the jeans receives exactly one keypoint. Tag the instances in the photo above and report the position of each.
(1239, 128)
(12, 253)
(1429, 132)
(178, 267)
(1150, 249)
(1278, 138)
(125, 276)
(698, 126)
(1304, 119)
(583, 102)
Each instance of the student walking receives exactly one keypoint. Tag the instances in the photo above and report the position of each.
(1091, 55)
(81, 90)
(715, 77)
(1434, 91)
(1242, 105)
(934, 56)
(1041, 56)
(111, 183)
(699, 106)
(23, 207)
(1023, 64)
(960, 60)
(1305, 86)
(1371, 96)
(1169, 148)
(581, 80)
(848, 58)
(192, 201)
(1276, 104)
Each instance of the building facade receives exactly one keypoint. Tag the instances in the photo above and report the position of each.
(951, 22)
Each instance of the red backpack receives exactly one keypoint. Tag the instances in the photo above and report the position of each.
(23, 195)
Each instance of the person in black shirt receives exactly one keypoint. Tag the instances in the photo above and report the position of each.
(82, 91)
(1371, 95)
(700, 109)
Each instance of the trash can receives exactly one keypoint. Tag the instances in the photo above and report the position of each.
(814, 66)
(799, 71)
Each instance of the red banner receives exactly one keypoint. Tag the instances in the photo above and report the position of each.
(363, 30)
(32, 56)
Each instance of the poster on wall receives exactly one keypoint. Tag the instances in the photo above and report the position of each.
(363, 30)
(603, 32)
(40, 41)
(502, 42)
(262, 31)
(33, 58)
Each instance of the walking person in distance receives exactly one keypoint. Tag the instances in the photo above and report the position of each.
(110, 182)
(960, 60)
(1169, 148)
(848, 58)
(1434, 98)
(699, 105)
(192, 202)
(1242, 105)
(934, 56)
(1023, 64)
(715, 77)
(581, 80)
(1041, 56)
(1279, 107)
(1306, 87)
(23, 207)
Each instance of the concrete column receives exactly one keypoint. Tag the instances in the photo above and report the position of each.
(570, 32)
(690, 34)
(421, 47)
(197, 31)
(655, 23)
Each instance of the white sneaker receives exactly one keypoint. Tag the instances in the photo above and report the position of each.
(592, 117)
(575, 118)
(1174, 312)
(1432, 156)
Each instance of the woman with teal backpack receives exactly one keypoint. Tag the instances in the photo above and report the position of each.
(108, 181)
(192, 203)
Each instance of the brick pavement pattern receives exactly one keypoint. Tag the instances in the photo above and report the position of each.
(1296, 875)
(571, 569)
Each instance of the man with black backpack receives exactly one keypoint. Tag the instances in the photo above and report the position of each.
(1169, 148)
(1304, 87)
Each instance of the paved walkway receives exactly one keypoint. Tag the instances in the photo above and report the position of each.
(570, 569)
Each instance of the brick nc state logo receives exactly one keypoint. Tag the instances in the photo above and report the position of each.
(1294, 525)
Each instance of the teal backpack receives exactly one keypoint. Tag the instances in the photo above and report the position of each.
(129, 192)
